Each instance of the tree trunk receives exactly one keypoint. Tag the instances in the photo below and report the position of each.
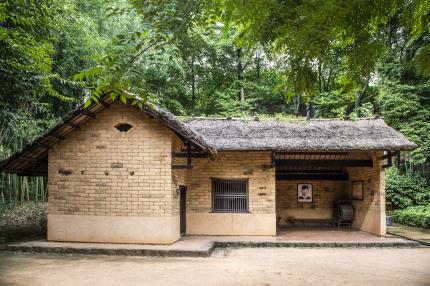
(193, 89)
(296, 102)
(240, 75)
(309, 111)
(258, 60)
(360, 95)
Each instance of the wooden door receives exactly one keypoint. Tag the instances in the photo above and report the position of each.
(183, 209)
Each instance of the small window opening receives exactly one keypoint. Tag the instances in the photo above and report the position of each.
(123, 127)
(230, 195)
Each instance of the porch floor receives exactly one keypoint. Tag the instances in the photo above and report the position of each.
(331, 234)
(204, 245)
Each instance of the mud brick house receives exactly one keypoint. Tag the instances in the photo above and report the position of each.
(117, 173)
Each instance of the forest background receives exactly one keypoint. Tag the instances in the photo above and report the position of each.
(284, 59)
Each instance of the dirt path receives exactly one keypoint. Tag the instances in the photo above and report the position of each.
(272, 266)
(415, 233)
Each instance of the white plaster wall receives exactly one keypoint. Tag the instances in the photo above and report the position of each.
(231, 224)
(113, 229)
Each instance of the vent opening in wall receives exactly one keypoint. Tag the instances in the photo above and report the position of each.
(123, 127)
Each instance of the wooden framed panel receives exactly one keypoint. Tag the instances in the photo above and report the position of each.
(304, 193)
(357, 190)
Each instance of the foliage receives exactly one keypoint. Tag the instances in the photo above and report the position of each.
(26, 51)
(23, 214)
(404, 97)
(406, 190)
(22, 221)
(286, 59)
(42, 44)
(413, 216)
(19, 189)
(325, 42)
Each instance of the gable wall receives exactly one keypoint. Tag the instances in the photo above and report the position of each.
(118, 181)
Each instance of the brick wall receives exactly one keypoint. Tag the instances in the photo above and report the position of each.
(325, 193)
(113, 173)
(370, 212)
(179, 176)
(98, 172)
(233, 165)
(254, 166)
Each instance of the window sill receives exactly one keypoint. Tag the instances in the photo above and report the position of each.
(226, 212)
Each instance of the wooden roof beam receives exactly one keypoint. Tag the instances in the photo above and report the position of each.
(324, 163)
(58, 136)
(27, 158)
(89, 114)
(105, 104)
(71, 124)
(328, 177)
(193, 154)
(46, 146)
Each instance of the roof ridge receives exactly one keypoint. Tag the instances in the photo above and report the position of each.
(274, 119)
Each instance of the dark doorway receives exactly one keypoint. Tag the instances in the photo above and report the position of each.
(183, 209)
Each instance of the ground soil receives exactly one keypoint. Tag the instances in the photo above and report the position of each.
(418, 234)
(258, 266)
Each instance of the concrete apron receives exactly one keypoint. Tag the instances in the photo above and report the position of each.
(196, 246)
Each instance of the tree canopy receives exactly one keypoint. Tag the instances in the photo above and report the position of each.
(343, 59)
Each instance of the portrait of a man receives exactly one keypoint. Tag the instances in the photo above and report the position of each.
(304, 193)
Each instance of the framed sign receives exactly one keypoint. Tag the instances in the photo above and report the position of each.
(357, 190)
(304, 193)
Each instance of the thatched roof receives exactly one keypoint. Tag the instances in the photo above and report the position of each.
(181, 129)
(362, 134)
(33, 159)
(210, 135)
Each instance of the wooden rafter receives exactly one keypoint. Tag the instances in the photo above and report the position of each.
(189, 164)
(89, 113)
(58, 136)
(105, 104)
(73, 125)
(324, 163)
(193, 154)
(314, 176)
(389, 157)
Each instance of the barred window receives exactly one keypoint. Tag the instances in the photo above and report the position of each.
(230, 195)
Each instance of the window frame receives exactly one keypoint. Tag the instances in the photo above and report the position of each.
(117, 126)
(242, 180)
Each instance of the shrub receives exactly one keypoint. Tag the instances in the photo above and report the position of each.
(406, 190)
(414, 216)
(22, 221)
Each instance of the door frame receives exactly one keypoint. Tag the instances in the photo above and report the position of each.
(182, 210)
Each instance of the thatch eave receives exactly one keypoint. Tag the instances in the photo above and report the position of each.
(320, 135)
(32, 159)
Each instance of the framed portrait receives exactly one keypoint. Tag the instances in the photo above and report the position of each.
(357, 190)
(304, 193)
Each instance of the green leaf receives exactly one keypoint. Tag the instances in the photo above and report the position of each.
(123, 98)
(87, 103)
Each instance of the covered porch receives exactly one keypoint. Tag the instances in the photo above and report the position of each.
(328, 189)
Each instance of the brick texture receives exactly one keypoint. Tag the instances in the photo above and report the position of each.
(373, 181)
(233, 165)
(179, 176)
(99, 171)
(113, 173)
